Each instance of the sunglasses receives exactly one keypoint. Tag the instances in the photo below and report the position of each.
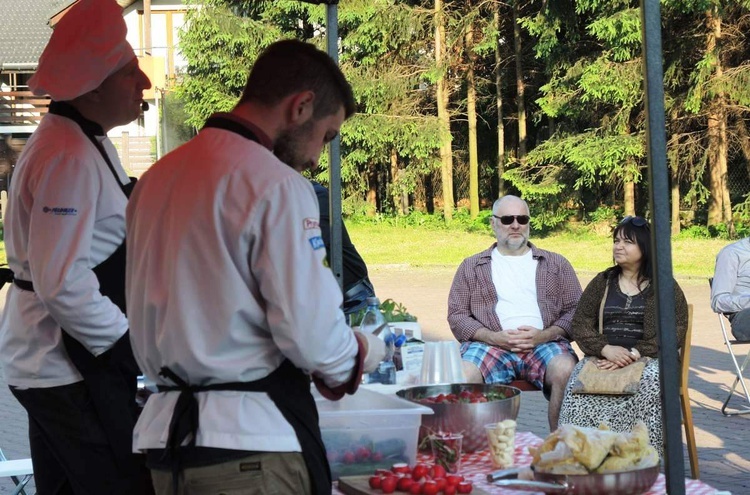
(508, 219)
(636, 221)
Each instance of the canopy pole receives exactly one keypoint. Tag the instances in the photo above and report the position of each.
(661, 249)
(334, 159)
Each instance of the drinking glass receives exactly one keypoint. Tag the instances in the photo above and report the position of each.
(446, 450)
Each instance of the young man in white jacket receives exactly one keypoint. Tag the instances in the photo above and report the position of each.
(232, 308)
(63, 341)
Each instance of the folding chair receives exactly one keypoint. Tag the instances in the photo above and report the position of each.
(14, 469)
(739, 370)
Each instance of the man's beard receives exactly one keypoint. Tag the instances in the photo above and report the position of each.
(288, 144)
(515, 243)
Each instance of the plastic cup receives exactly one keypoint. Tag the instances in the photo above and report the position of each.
(502, 440)
(446, 450)
(430, 373)
(453, 372)
(441, 363)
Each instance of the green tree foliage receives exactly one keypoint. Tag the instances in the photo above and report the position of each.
(384, 52)
(579, 64)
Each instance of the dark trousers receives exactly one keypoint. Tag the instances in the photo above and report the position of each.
(69, 449)
(741, 325)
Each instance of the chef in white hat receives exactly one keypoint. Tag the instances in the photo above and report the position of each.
(64, 342)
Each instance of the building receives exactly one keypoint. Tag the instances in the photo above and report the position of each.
(25, 28)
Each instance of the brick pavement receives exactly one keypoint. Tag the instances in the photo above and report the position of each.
(723, 442)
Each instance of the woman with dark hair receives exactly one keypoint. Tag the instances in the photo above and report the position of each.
(615, 326)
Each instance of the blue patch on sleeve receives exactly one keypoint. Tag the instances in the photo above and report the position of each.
(317, 242)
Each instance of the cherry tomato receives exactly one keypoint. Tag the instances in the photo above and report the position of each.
(454, 479)
(464, 487)
(404, 484)
(375, 482)
(388, 485)
(419, 472)
(437, 471)
(362, 454)
(441, 483)
(429, 488)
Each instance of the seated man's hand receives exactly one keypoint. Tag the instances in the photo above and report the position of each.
(528, 337)
(618, 355)
(505, 340)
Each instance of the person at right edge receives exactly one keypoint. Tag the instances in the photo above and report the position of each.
(64, 340)
(231, 305)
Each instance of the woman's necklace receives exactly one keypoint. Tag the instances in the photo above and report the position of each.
(630, 287)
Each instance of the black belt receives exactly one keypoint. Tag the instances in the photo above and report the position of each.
(23, 284)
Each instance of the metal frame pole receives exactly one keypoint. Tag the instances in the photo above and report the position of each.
(661, 249)
(334, 159)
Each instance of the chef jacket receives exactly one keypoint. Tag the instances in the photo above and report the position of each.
(65, 215)
(226, 279)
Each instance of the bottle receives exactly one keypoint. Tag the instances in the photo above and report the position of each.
(374, 322)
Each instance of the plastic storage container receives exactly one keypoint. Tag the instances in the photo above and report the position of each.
(368, 430)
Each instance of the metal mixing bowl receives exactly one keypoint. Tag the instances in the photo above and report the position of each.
(465, 418)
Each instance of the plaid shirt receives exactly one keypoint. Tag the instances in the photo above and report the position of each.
(473, 297)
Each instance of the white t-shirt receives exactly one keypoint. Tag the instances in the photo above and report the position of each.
(514, 278)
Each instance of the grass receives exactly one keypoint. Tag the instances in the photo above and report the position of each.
(416, 246)
(425, 247)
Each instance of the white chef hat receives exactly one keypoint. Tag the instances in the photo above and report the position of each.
(87, 46)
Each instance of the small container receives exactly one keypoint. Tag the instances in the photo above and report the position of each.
(502, 439)
(446, 450)
(368, 430)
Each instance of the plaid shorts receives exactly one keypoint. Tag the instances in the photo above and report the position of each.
(500, 366)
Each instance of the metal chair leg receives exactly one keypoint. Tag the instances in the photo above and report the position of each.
(20, 485)
(738, 379)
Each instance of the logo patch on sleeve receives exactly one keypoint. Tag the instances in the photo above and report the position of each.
(310, 223)
(60, 211)
(317, 242)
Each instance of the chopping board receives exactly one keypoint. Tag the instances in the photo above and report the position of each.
(360, 485)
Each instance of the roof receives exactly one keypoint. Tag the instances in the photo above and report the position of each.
(24, 29)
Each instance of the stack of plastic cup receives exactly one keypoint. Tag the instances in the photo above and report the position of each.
(442, 363)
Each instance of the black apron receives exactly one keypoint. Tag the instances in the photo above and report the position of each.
(288, 387)
(112, 377)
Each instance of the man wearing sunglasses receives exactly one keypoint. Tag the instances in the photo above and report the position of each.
(511, 307)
